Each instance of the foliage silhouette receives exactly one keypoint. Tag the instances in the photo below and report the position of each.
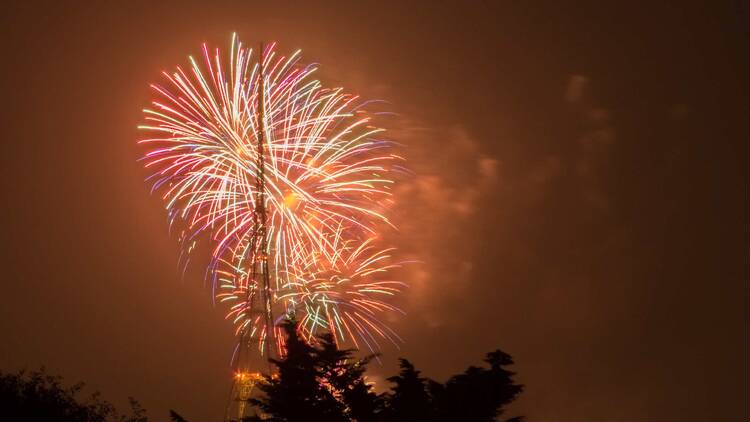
(318, 382)
(345, 377)
(479, 394)
(312, 383)
(39, 396)
(175, 417)
(409, 399)
(325, 383)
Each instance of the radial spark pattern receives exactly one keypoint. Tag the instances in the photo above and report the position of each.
(327, 188)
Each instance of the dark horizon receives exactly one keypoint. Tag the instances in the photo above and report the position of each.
(580, 197)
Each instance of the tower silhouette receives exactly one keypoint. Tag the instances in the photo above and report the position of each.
(258, 291)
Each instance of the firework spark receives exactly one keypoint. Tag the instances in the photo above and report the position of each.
(327, 187)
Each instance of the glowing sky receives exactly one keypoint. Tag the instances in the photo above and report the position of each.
(580, 202)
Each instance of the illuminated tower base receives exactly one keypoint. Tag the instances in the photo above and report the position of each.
(242, 390)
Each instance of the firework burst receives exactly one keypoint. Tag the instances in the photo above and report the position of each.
(327, 187)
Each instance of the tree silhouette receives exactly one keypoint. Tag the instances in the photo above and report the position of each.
(175, 417)
(325, 383)
(38, 396)
(299, 391)
(318, 382)
(409, 400)
(479, 394)
(345, 378)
